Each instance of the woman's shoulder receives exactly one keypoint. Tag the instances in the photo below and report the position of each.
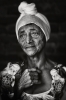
(60, 68)
(50, 64)
(55, 64)
(12, 67)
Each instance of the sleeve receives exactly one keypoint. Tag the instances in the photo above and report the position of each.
(61, 70)
(8, 79)
(59, 80)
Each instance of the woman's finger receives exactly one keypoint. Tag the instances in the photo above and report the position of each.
(25, 72)
(25, 79)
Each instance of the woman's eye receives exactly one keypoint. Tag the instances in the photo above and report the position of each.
(35, 34)
(22, 36)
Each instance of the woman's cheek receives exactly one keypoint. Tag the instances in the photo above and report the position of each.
(38, 44)
(22, 44)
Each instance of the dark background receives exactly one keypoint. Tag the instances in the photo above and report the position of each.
(54, 10)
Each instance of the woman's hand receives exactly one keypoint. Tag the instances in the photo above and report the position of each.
(29, 77)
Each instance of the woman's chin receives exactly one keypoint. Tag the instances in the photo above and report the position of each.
(30, 53)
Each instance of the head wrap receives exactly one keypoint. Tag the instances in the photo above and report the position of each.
(29, 15)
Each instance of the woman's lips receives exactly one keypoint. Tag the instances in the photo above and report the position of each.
(30, 47)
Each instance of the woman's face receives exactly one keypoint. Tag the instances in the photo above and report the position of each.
(31, 39)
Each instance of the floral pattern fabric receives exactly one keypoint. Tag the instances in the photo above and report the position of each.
(58, 73)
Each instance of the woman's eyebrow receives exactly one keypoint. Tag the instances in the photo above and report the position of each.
(21, 31)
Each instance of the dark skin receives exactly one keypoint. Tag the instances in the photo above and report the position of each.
(36, 60)
(45, 81)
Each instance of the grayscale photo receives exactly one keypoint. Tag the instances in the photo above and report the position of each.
(33, 50)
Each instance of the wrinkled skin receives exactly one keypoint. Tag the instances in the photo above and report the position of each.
(31, 39)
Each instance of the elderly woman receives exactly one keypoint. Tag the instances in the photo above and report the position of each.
(37, 78)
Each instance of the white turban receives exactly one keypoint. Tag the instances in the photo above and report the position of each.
(29, 15)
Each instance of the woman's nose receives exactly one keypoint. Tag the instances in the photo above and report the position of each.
(29, 39)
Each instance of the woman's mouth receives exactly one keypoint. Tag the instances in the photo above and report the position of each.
(30, 47)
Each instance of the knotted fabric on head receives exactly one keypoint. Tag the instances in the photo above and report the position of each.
(29, 14)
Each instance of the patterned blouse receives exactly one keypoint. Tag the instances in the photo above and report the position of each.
(10, 73)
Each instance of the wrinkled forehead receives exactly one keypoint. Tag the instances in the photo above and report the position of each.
(30, 26)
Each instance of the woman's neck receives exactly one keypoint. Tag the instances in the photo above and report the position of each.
(37, 61)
